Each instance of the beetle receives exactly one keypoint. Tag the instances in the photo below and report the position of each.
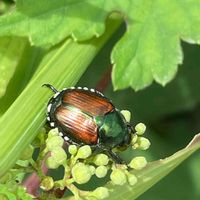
(85, 116)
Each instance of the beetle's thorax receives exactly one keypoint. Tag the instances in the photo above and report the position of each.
(113, 130)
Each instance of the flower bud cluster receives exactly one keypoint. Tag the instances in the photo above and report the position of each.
(121, 175)
(54, 144)
(81, 164)
(139, 142)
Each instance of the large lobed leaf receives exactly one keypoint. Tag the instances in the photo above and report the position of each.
(149, 50)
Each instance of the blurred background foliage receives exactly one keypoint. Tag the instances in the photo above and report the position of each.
(171, 113)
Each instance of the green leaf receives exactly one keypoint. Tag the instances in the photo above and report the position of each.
(4, 190)
(11, 50)
(14, 192)
(21, 193)
(61, 67)
(154, 172)
(149, 50)
(175, 137)
(60, 19)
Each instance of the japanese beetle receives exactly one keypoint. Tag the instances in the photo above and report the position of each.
(86, 116)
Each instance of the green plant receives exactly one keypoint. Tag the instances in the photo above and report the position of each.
(55, 42)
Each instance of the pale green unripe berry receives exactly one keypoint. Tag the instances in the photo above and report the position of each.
(138, 163)
(84, 152)
(101, 193)
(132, 179)
(140, 128)
(118, 177)
(47, 183)
(143, 143)
(72, 149)
(57, 158)
(81, 173)
(126, 114)
(101, 171)
(53, 142)
(101, 159)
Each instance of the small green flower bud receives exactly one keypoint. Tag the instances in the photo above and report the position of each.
(135, 146)
(58, 157)
(101, 171)
(54, 142)
(132, 179)
(101, 159)
(134, 139)
(47, 183)
(53, 132)
(81, 173)
(84, 152)
(126, 114)
(138, 163)
(101, 193)
(118, 177)
(27, 153)
(143, 143)
(92, 169)
(72, 149)
(51, 163)
(140, 128)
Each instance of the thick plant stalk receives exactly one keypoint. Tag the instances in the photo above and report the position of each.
(62, 68)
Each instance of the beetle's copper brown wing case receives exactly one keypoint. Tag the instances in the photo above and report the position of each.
(76, 114)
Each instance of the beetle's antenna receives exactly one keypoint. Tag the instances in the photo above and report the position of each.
(50, 87)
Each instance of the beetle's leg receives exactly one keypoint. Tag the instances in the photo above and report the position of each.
(101, 148)
(50, 87)
(131, 130)
(115, 157)
(71, 142)
(130, 127)
(96, 149)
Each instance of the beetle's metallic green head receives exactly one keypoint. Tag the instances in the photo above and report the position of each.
(114, 131)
